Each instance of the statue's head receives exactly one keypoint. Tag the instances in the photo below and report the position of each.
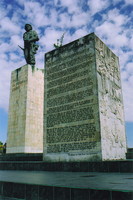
(28, 27)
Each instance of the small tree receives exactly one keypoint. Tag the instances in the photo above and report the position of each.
(59, 42)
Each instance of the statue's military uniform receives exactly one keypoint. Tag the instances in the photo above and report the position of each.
(30, 47)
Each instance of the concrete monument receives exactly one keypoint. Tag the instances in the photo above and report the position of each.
(25, 120)
(83, 112)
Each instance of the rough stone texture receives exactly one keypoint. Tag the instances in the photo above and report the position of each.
(83, 112)
(25, 123)
(112, 125)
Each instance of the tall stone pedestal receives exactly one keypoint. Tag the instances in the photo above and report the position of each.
(25, 123)
(83, 119)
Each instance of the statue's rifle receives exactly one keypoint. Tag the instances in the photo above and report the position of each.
(21, 48)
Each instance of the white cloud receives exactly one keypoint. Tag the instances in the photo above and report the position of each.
(116, 1)
(4, 47)
(113, 29)
(129, 68)
(14, 57)
(20, 2)
(124, 58)
(8, 26)
(77, 34)
(131, 42)
(112, 34)
(129, 2)
(65, 20)
(117, 18)
(98, 5)
(16, 40)
(120, 40)
(80, 19)
(4, 85)
(124, 75)
(71, 5)
(76, 20)
(35, 13)
(50, 37)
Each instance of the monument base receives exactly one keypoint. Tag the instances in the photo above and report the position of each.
(21, 157)
(62, 157)
(25, 123)
(42, 180)
(18, 185)
(23, 150)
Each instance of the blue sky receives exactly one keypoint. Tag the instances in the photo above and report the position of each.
(110, 20)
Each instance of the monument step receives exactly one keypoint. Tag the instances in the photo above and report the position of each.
(62, 193)
(130, 150)
(106, 166)
(39, 156)
(22, 157)
(8, 198)
(129, 155)
(22, 185)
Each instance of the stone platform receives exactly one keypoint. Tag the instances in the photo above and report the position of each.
(65, 185)
(33, 179)
(106, 166)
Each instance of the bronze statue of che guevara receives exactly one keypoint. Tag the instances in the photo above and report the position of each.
(30, 47)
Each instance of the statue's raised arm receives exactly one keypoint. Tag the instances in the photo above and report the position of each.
(30, 47)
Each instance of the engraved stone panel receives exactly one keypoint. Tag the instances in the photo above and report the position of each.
(71, 120)
(83, 112)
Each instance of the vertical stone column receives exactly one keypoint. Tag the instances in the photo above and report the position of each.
(83, 112)
(111, 111)
(25, 121)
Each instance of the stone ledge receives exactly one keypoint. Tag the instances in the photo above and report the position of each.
(22, 157)
(65, 186)
(106, 166)
(57, 193)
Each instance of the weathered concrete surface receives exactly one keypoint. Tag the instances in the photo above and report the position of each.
(83, 119)
(25, 123)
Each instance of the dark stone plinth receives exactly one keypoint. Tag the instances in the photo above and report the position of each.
(130, 150)
(46, 192)
(44, 185)
(32, 192)
(36, 192)
(111, 166)
(22, 157)
(129, 154)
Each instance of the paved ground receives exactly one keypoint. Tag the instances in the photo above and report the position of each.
(90, 180)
